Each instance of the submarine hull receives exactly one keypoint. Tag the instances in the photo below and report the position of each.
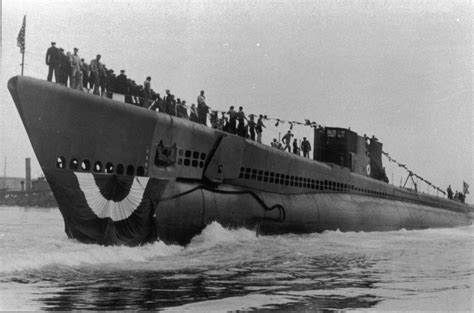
(125, 175)
(175, 212)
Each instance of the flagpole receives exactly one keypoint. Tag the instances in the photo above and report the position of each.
(20, 42)
(24, 46)
(22, 61)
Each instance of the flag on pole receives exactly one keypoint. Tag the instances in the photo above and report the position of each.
(465, 188)
(20, 40)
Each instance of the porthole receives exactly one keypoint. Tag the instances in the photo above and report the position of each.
(85, 165)
(180, 152)
(119, 169)
(60, 162)
(194, 163)
(180, 161)
(98, 167)
(195, 155)
(140, 171)
(203, 156)
(187, 154)
(74, 164)
(109, 168)
(201, 164)
(187, 162)
(130, 170)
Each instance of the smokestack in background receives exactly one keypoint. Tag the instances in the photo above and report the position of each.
(28, 173)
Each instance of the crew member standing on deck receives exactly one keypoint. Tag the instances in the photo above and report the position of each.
(52, 60)
(193, 115)
(63, 64)
(95, 68)
(232, 120)
(202, 108)
(76, 74)
(306, 147)
(287, 140)
(259, 128)
(241, 130)
(450, 192)
(252, 124)
(85, 75)
(147, 91)
(121, 83)
(296, 149)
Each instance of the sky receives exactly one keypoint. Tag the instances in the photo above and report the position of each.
(399, 70)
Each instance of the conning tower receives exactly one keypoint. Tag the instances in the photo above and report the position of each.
(344, 147)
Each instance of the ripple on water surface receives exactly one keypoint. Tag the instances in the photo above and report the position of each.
(226, 269)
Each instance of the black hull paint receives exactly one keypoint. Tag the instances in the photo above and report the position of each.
(168, 193)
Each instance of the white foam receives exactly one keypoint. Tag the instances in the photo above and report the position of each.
(215, 234)
(71, 253)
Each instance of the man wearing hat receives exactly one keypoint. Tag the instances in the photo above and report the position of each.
(52, 60)
(121, 83)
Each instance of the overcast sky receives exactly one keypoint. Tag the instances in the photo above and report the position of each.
(401, 70)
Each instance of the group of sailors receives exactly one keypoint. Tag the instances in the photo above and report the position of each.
(458, 196)
(286, 144)
(71, 70)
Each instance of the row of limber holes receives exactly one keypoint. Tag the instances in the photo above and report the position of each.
(98, 167)
(302, 182)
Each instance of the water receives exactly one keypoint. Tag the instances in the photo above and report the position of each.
(225, 270)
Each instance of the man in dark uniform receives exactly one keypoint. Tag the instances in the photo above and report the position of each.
(232, 120)
(450, 192)
(287, 140)
(128, 93)
(296, 149)
(121, 83)
(306, 147)
(111, 82)
(241, 130)
(85, 75)
(168, 105)
(64, 67)
(52, 60)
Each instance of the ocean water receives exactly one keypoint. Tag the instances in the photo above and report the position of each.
(227, 270)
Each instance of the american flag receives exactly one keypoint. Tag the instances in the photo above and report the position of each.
(20, 40)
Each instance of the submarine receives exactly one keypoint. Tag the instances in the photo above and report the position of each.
(126, 175)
